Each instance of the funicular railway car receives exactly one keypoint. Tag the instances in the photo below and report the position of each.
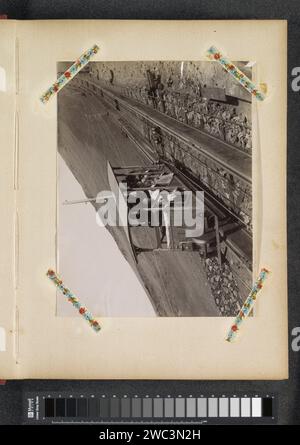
(160, 178)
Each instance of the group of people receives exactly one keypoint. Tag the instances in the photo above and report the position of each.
(218, 119)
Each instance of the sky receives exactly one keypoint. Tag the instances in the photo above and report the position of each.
(89, 261)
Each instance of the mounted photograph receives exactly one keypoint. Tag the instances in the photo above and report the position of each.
(154, 189)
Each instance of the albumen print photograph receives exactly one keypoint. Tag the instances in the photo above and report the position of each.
(154, 190)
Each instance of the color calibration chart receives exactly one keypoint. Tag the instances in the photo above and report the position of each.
(104, 408)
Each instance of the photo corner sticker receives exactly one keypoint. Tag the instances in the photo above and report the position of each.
(2, 340)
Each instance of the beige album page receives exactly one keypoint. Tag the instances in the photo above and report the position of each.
(147, 96)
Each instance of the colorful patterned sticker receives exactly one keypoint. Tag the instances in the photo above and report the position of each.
(69, 74)
(214, 54)
(247, 306)
(72, 299)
